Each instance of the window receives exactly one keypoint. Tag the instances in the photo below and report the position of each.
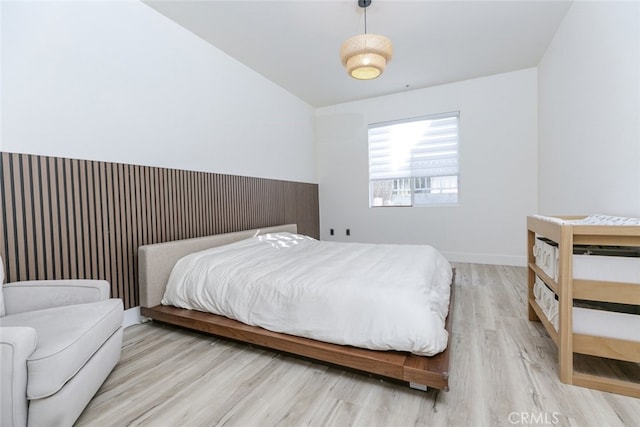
(402, 187)
(414, 162)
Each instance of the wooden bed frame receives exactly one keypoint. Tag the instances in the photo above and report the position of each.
(155, 265)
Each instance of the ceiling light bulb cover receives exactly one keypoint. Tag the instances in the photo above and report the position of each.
(365, 56)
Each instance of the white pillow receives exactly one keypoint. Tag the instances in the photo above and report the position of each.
(1, 283)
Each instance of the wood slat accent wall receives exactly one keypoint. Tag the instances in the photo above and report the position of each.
(67, 218)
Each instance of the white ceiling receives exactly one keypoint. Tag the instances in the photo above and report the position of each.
(296, 44)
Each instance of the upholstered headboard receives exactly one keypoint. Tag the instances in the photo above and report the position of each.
(156, 261)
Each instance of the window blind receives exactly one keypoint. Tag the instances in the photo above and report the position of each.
(422, 147)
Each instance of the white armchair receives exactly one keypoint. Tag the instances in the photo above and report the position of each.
(59, 340)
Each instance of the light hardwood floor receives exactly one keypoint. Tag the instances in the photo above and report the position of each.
(503, 372)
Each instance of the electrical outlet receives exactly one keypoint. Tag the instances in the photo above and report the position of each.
(331, 232)
(348, 232)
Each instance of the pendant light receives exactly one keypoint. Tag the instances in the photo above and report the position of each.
(365, 56)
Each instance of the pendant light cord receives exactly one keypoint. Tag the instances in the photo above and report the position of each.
(365, 20)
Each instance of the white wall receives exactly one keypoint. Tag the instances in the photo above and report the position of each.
(498, 172)
(589, 112)
(116, 81)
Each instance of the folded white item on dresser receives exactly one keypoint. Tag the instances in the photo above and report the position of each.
(375, 296)
(596, 219)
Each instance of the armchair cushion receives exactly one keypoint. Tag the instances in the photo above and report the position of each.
(16, 345)
(1, 283)
(67, 338)
(31, 295)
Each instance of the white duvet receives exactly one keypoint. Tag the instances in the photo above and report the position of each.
(380, 297)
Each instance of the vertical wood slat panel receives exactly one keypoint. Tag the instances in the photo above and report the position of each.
(80, 247)
(111, 221)
(67, 218)
(28, 217)
(144, 202)
(69, 235)
(138, 224)
(121, 230)
(205, 206)
(152, 208)
(19, 215)
(130, 233)
(218, 203)
(85, 224)
(125, 232)
(157, 210)
(93, 200)
(54, 223)
(133, 220)
(4, 205)
(169, 201)
(45, 202)
(63, 234)
(101, 212)
(7, 213)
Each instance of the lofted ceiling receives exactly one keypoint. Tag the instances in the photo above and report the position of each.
(296, 44)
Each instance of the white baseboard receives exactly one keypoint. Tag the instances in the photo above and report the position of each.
(131, 317)
(493, 259)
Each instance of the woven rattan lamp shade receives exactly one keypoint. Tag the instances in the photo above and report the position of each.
(366, 55)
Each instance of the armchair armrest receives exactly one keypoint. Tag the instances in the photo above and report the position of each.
(16, 345)
(40, 294)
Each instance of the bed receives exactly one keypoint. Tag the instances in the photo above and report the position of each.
(156, 263)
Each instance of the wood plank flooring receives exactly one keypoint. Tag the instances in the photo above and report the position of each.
(503, 372)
